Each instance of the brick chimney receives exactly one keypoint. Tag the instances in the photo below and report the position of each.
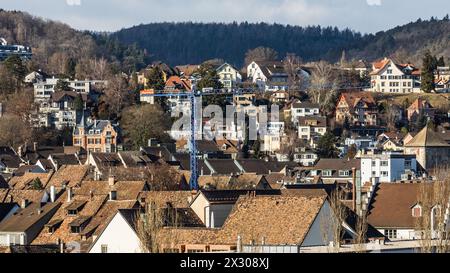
(24, 203)
(111, 180)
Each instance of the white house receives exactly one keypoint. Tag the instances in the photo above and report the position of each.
(388, 167)
(120, 235)
(306, 157)
(269, 76)
(229, 76)
(395, 210)
(311, 128)
(303, 109)
(390, 77)
(213, 207)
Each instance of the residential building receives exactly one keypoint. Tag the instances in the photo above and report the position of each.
(43, 90)
(395, 210)
(244, 100)
(279, 96)
(250, 229)
(303, 109)
(229, 76)
(120, 235)
(356, 109)
(442, 79)
(96, 136)
(24, 52)
(429, 147)
(390, 77)
(306, 157)
(62, 110)
(269, 76)
(176, 84)
(165, 69)
(420, 108)
(332, 170)
(26, 224)
(147, 96)
(311, 129)
(388, 167)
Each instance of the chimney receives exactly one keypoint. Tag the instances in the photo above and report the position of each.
(69, 194)
(239, 244)
(24, 203)
(52, 194)
(61, 247)
(35, 146)
(354, 189)
(111, 180)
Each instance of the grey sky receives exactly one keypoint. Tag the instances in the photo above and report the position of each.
(110, 15)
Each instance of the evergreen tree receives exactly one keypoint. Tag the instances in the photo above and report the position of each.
(37, 184)
(62, 85)
(209, 77)
(428, 67)
(16, 69)
(326, 146)
(70, 68)
(78, 103)
(155, 78)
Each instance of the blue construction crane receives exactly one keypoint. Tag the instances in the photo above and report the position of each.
(194, 95)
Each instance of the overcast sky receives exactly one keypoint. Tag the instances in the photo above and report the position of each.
(361, 15)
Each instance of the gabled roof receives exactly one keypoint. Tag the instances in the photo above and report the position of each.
(353, 98)
(25, 182)
(419, 104)
(337, 164)
(427, 138)
(391, 205)
(280, 220)
(68, 175)
(223, 166)
(65, 159)
(314, 121)
(26, 218)
(231, 196)
(305, 105)
(177, 83)
(5, 209)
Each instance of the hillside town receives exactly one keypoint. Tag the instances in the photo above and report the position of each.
(355, 159)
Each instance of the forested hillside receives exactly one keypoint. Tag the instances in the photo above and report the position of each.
(55, 43)
(181, 43)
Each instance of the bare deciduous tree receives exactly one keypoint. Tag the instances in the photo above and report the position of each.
(156, 228)
(332, 226)
(296, 79)
(434, 201)
(322, 90)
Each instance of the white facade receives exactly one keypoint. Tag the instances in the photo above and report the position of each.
(311, 133)
(391, 78)
(229, 76)
(387, 167)
(118, 237)
(306, 158)
(44, 89)
(303, 110)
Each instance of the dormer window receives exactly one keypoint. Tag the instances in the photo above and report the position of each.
(327, 173)
(417, 211)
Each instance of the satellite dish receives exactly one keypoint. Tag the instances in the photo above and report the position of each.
(3, 41)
